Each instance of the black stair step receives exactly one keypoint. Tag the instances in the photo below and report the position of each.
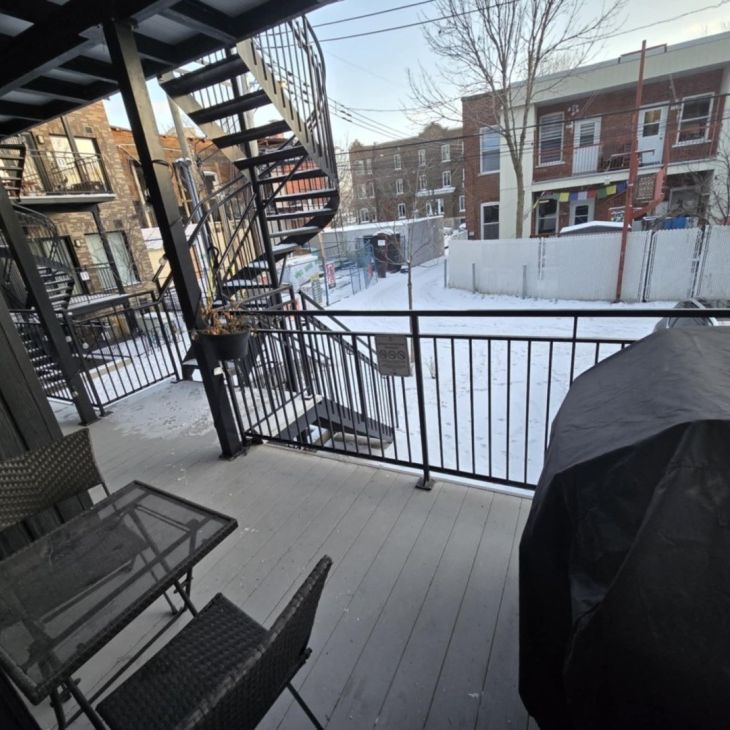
(307, 195)
(250, 135)
(244, 103)
(303, 231)
(286, 153)
(299, 214)
(307, 173)
(208, 75)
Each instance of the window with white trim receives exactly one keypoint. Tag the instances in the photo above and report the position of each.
(546, 223)
(489, 141)
(362, 191)
(446, 179)
(490, 221)
(429, 209)
(462, 204)
(371, 189)
(368, 167)
(551, 138)
(396, 161)
(401, 210)
(445, 153)
(439, 206)
(364, 215)
(694, 119)
(359, 167)
(422, 182)
(422, 158)
(399, 186)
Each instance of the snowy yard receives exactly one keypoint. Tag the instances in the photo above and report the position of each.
(492, 385)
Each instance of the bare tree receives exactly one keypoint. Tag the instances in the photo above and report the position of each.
(501, 48)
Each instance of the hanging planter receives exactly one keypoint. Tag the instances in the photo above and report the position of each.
(227, 333)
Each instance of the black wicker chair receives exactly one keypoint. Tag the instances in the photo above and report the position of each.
(47, 486)
(223, 671)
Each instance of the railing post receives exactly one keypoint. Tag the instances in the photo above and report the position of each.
(424, 482)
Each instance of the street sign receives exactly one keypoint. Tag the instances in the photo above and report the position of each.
(393, 355)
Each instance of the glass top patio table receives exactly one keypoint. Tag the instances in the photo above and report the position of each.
(67, 594)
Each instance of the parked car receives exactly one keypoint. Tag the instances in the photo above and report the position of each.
(699, 303)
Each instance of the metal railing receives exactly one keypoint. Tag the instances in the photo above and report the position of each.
(479, 402)
(48, 172)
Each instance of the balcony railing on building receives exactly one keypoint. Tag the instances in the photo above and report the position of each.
(63, 173)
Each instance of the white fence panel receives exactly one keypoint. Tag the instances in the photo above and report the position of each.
(715, 269)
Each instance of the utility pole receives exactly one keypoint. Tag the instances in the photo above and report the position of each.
(633, 169)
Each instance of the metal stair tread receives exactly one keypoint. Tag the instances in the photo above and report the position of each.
(287, 153)
(244, 103)
(250, 135)
(307, 173)
(304, 230)
(207, 75)
(312, 213)
(306, 195)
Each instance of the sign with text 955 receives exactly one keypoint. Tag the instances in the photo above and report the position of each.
(393, 355)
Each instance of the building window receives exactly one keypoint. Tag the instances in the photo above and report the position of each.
(422, 158)
(488, 150)
(364, 215)
(445, 153)
(694, 120)
(490, 221)
(359, 167)
(439, 206)
(422, 182)
(685, 201)
(399, 186)
(371, 189)
(401, 210)
(429, 209)
(362, 191)
(70, 172)
(120, 254)
(551, 139)
(368, 167)
(462, 204)
(446, 179)
(547, 217)
(396, 161)
(581, 211)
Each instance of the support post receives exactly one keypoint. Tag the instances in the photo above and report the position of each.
(424, 482)
(96, 215)
(633, 168)
(125, 58)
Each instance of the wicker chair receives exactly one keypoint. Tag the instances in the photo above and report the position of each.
(223, 671)
(47, 478)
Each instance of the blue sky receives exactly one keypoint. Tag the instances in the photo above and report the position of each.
(370, 73)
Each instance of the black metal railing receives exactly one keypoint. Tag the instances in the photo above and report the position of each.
(48, 172)
(483, 390)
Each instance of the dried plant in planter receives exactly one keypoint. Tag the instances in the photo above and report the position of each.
(227, 331)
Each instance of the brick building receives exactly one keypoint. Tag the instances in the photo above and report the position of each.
(579, 138)
(421, 176)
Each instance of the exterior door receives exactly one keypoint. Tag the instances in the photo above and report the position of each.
(581, 211)
(586, 145)
(650, 134)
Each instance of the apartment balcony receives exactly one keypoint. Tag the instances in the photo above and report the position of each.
(64, 178)
(417, 626)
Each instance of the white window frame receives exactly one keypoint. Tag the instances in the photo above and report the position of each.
(439, 206)
(708, 118)
(422, 157)
(694, 188)
(429, 209)
(422, 182)
(370, 187)
(462, 203)
(557, 219)
(366, 217)
(399, 186)
(397, 162)
(555, 116)
(590, 202)
(446, 175)
(401, 210)
(362, 191)
(359, 167)
(445, 153)
(368, 166)
(483, 132)
(491, 204)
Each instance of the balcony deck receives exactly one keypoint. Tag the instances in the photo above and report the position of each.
(418, 623)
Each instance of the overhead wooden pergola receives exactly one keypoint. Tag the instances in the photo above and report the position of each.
(56, 57)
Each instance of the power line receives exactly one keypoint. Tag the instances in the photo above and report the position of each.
(371, 15)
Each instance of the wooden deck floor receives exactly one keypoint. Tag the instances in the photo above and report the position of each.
(417, 627)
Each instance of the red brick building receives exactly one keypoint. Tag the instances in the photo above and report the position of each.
(577, 157)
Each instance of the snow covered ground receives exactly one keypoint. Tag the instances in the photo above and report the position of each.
(490, 391)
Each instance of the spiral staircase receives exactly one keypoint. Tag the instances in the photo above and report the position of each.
(264, 105)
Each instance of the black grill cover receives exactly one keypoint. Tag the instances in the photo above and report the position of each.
(625, 558)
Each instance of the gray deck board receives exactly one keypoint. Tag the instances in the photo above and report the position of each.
(417, 627)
